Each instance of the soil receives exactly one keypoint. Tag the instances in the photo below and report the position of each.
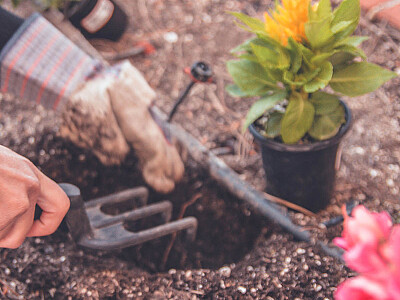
(237, 254)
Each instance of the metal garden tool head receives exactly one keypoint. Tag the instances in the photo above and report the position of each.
(90, 226)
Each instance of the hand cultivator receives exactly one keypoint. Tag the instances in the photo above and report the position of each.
(91, 227)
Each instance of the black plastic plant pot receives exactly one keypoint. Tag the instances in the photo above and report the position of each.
(97, 18)
(302, 174)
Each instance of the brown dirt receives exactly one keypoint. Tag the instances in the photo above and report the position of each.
(237, 254)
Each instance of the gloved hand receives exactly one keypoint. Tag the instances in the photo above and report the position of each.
(109, 112)
(105, 109)
(22, 186)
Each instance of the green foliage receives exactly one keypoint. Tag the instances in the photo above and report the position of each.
(294, 75)
(297, 120)
(359, 78)
(262, 105)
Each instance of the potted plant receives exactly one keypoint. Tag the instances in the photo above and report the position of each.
(301, 59)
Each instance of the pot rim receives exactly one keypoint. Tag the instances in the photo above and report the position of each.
(306, 147)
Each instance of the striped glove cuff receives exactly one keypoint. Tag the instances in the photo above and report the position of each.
(40, 64)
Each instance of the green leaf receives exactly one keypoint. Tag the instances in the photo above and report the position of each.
(268, 43)
(339, 60)
(324, 103)
(323, 10)
(326, 126)
(321, 80)
(297, 120)
(309, 75)
(275, 73)
(348, 11)
(250, 76)
(321, 58)
(261, 106)
(270, 58)
(307, 53)
(248, 56)
(254, 24)
(273, 126)
(354, 41)
(235, 91)
(291, 79)
(244, 47)
(341, 26)
(360, 78)
(295, 55)
(352, 50)
(319, 33)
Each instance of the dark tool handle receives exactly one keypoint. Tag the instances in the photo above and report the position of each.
(77, 220)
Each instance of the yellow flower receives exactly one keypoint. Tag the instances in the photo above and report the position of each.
(288, 20)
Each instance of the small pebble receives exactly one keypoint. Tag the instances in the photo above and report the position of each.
(242, 289)
(188, 274)
(172, 272)
(373, 173)
(300, 251)
(225, 271)
(171, 37)
(222, 284)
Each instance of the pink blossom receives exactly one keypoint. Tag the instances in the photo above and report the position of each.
(364, 228)
(392, 254)
(362, 288)
(367, 260)
(372, 247)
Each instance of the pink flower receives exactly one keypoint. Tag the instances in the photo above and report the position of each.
(372, 247)
(362, 288)
(368, 261)
(392, 254)
(364, 228)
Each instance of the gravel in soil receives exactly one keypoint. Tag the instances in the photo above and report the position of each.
(237, 254)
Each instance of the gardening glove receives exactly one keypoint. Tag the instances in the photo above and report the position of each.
(39, 63)
(22, 187)
(124, 89)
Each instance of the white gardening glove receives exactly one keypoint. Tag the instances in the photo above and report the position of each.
(131, 98)
(120, 94)
(39, 63)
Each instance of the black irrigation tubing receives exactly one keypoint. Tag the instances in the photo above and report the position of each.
(231, 180)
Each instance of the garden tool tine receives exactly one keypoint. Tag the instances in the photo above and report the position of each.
(90, 226)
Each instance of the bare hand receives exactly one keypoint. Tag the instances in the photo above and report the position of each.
(22, 186)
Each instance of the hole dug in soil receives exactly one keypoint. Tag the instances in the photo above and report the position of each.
(227, 229)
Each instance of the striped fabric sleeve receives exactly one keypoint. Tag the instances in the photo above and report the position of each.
(40, 64)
